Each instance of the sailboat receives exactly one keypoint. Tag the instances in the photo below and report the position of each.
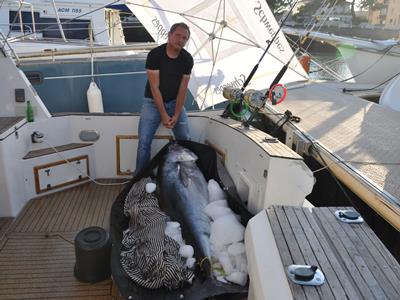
(365, 58)
(47, 166)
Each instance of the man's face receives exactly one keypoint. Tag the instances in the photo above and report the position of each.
(178, 38)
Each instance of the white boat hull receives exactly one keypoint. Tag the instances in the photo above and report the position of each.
(371, 67)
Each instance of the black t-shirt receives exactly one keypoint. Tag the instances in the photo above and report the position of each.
(171, 71)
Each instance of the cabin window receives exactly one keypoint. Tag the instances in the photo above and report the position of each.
(73, 29)
(34, 78)
(26, 21)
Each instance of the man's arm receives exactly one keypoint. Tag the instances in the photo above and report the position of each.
(154, 81)
(180, 98)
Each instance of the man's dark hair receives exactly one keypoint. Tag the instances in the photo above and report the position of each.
(176, 25)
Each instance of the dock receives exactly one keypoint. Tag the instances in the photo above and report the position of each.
(358, 139)
(355, 263)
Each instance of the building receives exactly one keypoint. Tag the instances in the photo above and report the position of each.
(393, 15)
(338, 16)
(387, 14)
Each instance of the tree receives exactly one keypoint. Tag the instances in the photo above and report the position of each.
(314, 5)
(278, 6)
(341, 2)
(370, 4)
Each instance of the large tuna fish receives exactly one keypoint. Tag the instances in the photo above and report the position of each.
(184, 190)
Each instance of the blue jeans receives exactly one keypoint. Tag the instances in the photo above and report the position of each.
(150, 119)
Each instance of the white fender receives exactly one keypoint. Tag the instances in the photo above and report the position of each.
(391, 94)
(94, 98)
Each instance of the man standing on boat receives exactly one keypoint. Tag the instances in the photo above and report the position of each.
(168, 71)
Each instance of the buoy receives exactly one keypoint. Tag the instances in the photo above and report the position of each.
(94, 98)
(305, 62)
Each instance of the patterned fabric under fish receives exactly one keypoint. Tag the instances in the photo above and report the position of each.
(150, 257)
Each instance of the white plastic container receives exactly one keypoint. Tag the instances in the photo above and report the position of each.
(94, 98)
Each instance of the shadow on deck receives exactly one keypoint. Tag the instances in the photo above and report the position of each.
(37, 254)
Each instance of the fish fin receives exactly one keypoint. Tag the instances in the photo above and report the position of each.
(184, 175)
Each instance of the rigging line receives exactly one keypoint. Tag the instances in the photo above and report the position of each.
(370, 89)
(340, 185)
(325, 18)
(372, 65)
(15, 19)
(212, 70)
(68, 21)
(183, 15)
(253, 44)
(224, 11)
(211, 36)
(216, 16)
(325, 67)
(237, 42)
(270, 43)
(300, 41)
(292, 68)
(311, 23)
(195, 24)
(366, 163)
(310, 26)
(80, 171)
(243, 36)
(94, 75)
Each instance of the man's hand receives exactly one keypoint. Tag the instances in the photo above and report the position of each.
(174, 119)
(167, 121)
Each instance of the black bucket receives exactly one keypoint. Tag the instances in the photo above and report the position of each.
(92, 252)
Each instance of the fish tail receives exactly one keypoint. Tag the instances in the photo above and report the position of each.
(205, 266)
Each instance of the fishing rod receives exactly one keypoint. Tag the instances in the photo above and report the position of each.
(276, 81)
(270, 43)
(258, 97)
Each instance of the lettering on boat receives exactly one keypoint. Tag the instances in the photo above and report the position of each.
(69, 10)
(258, 11)
(237, 83)
(162, 32)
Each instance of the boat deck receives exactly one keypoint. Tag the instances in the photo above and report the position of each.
(363, 134)
(37, 253)
(8, 122)
(354, 261)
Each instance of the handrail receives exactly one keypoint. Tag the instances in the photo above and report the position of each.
(59, 21)
(21, 23)
(5, 43)
(99, 49)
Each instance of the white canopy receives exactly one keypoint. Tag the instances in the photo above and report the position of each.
(227, 39)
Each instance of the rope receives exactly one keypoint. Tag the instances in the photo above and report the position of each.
(82, 172)
(378, 60)
(370, 89)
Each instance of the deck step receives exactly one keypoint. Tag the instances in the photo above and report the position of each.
(47, 151)
(8, 122)
(4, 225)
(355, 262)
(37, 258)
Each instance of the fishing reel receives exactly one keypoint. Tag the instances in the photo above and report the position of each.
(242, 102)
